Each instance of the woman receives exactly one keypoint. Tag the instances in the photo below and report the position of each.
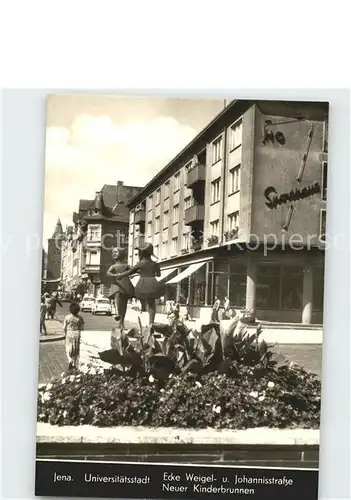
(123, 289)
(73, 324)
(215, 310)
(148, 289)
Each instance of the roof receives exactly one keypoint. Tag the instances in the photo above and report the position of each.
(313, 110)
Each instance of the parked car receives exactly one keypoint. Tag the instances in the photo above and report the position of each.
(102, 306)
(87, 303)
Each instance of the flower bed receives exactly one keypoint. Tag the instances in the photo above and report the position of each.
(284, 397)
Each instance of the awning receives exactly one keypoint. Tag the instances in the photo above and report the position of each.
(163, 276)
(188, 271)
(51, 281)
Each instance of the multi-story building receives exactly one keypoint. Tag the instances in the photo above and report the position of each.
(240, 212)
(53, 270)
(99, 225)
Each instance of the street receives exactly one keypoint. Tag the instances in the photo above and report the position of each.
(52, 360)
(91, 322)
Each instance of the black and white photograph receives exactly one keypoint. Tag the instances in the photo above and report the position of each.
(182, 288)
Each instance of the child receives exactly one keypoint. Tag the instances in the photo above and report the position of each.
(148, 288)
(73, 325)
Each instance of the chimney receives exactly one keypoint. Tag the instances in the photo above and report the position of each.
(120, 199)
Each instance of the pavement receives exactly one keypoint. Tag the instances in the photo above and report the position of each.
(53, 361)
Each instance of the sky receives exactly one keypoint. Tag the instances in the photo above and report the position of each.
(95, 140)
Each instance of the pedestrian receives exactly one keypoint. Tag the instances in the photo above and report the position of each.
(54, 301)
(215, 310)
(43, 317)
(148, 288)
(73, 325)
(226, 305)
(122, 290)
(47, 297)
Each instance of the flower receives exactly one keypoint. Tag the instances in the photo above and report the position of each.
(46, 396)
(65, 413)
(151, 379)
(197, 383)
(49, 386)
(254, 394)
(261, 398)
(270, 384)
(63, 381)
(216, 409)
(72, 377)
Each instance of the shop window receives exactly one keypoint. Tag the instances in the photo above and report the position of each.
(318, 288)
(292, 288)
(268, 287)
(237, 285)
(198, 286)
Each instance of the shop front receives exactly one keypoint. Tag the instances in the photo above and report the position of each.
(282, 287)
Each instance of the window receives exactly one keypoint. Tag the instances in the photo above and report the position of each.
(175, 214)
(292, 288)
(216, 150)
(165, 219)
(234, 179)
(233, 221)
(150, 199)
(215, 228)
(237, 284)
(187, 203)
(174, 246)
(93, 258)
(156, 250)
(186, 241)
(324, 179)
(158, 196)
(235, 135)
(215, 191)
(167, 189)
(323, 222)
(157, 224)
(149, 229)
(164, 249)
(94, 232)
(176, 182)
(268, 287)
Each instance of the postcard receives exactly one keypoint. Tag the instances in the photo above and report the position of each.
(181, 315)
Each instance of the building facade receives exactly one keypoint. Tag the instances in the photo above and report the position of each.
(98, 226)
(241, 212)
(53, 258)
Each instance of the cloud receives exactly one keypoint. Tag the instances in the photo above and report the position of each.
(95, 151)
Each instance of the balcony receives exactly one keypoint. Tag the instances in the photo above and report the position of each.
(195, 175)
(139, 217)
(139, 241)
(194, 214)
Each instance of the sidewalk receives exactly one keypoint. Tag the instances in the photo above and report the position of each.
(274, 334)
(54, 331)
